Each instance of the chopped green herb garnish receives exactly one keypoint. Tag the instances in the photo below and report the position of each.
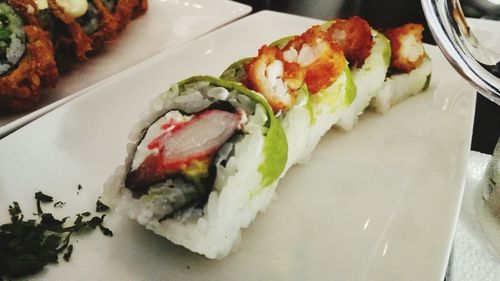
(28, 245)
(101, 207)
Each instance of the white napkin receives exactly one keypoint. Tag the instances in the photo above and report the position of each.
(473, 258)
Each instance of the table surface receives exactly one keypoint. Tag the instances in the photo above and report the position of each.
(486, 130)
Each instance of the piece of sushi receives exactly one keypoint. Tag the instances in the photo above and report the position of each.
(201, 164)
(410, 71)
(78, 27)
(27, 61)
(328, 79)
(307, 82)
(99, 22)
(368, 52)
(290, 104)
(81, 27)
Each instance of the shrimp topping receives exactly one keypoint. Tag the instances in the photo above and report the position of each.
(354, 37)
(321, 59)
(406, 45)
(311, 58)
(275, 78)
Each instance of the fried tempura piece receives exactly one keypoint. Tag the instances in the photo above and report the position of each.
(318, 55)
(20, 88)
(108, 27)
(123, 12)
(140, 8)
(407, 48)
(78, 40)
(354, 37)
(311, 58)
(276, 79)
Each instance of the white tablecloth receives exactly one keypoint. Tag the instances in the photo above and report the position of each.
(473, 257)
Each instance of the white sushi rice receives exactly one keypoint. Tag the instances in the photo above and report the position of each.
(326, 115)
(399, 87)
(235, 200)
(368, 80)
(297, 126)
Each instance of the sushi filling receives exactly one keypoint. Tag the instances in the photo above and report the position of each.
(110, 5)
(12, 38)
(174, 164)
(91, 20)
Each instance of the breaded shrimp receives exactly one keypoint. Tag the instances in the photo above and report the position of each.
(321, 59)
(407, 48)
(275, 78)
(354, 36)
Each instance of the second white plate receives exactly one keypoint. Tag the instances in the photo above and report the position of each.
(166, 24)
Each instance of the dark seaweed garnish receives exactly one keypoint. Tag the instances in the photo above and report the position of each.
(42, 198)
(28, 245)
(101, 207)
(59, 204)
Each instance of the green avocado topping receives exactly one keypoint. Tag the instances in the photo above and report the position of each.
(341, 93)
(281, 43)
(386, 53)
(236, 72)
(350, 94)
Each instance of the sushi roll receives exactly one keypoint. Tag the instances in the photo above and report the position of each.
(99, 23)
(122, 11)
(410, 71)
(26, 57)
(307, 82)
(201, 165)
(81, 27)
(368, 52)
(77, 27)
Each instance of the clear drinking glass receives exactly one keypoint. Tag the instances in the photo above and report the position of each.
(475, 62)
(488, 204)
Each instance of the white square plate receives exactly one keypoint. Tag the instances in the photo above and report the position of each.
(377, 203)
(166, 24)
